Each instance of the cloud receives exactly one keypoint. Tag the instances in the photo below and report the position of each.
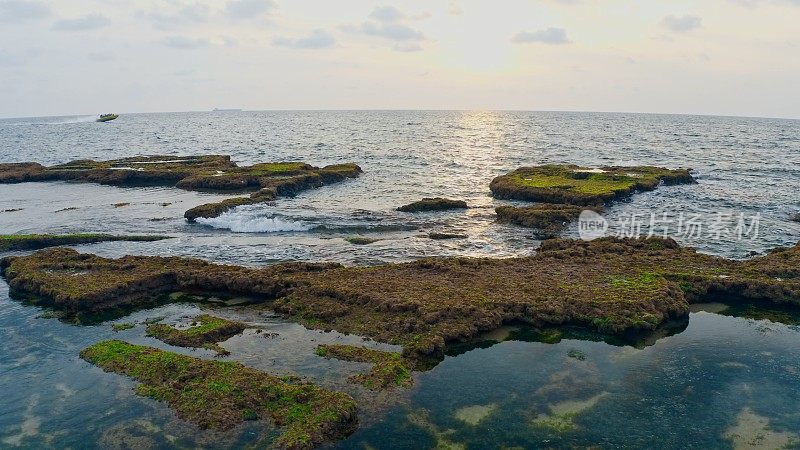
(392, 31)
(184, 43)
(246, 9)
(90, 22)
(387, 22)
(315, 40)
(192, 13)
(681, 24)
(549, 36)
(387, 14)
(12, 11)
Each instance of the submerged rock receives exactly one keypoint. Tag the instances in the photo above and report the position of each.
(434, 204)
(547, 218)
(9, 242)
(389, 368)
(361, 240)
(117, 327)
(443, 438)
(612, 285)
(205, 331)
(475, 414)
(753, 432)
(442, 236)
(571, 184)
(562, 415)
(215, 173)
(220, 395)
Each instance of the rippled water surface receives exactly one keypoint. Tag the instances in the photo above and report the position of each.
(721, 377)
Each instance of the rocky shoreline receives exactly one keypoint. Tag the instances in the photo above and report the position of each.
(13, 242)
(624, 286)
(431, 307)
(208, 173)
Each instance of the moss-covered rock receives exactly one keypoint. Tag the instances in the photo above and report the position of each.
(209, 210)
(547, 218)
(90, 288)
(577, 185)
(216, 394)
(9, 242)
(214, 173)
(204, 331)
(280, 184)
(361, 240)
(433, 204)
(389, 368)
(117, 327)
(613, 285)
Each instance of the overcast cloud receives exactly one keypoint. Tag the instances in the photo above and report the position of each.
(735, 57)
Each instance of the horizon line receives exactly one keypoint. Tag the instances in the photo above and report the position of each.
(234, 110)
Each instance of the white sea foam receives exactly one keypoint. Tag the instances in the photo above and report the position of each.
(241, 223)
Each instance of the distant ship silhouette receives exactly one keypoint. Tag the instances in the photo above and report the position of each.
(226, 109)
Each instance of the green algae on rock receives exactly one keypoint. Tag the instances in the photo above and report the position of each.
(613, 285)
(274, 184)
(561, 418)
(475, 414)
(361, 240)
(214, 173)
(577, 185)
(9, 242)
(91, 288)
(217, 394)
(204, 331)
(138, 170)
(389, 368)
(547, 218)
(433, 204)
(443, 439)
(117, 327)
(754, 432)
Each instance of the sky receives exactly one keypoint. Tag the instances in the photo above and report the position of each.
(726, 57)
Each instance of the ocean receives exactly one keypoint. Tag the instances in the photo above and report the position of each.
(686, 388)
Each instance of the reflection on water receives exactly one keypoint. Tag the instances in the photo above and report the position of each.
(714, 382)
(723, 381)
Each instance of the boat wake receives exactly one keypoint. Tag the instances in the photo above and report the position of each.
(64, 120)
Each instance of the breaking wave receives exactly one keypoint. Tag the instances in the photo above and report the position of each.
(249, 224)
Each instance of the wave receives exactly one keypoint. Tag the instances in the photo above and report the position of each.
(364, 228)
(248, 224)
